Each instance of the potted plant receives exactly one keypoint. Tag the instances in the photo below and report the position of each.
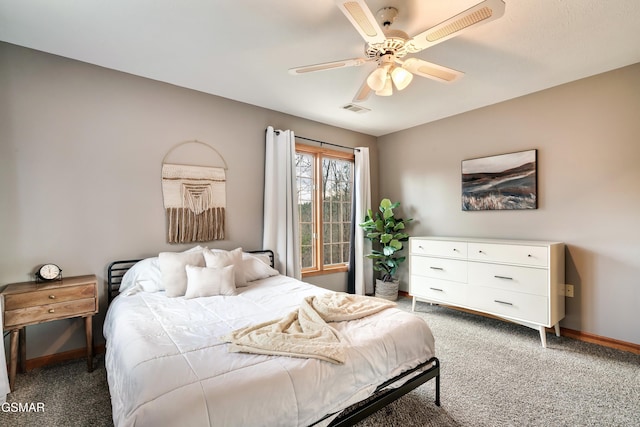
(386, 231)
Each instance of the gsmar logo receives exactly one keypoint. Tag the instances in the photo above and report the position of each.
(23, 407)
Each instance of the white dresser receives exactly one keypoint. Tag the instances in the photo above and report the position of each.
(521, 281)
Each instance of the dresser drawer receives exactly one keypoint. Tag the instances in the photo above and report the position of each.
(43, 313)
(513, 278)
(49, 296)
(440, 248)
(509, 254)
(439, 268)
(438, 290)
(514, 305)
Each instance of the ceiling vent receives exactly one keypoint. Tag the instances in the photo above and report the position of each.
(356, 108)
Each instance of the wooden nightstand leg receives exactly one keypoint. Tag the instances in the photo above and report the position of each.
(13, 357)
(88, 330)
(22, 343)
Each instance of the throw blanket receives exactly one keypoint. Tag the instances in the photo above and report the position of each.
(305, 332)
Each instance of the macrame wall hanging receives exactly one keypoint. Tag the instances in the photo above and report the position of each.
(194, 199)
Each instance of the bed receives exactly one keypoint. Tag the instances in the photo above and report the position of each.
(168, 363)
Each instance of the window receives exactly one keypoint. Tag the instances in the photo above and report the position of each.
(325, 181)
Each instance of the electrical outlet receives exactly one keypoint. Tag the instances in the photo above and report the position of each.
(568, 290)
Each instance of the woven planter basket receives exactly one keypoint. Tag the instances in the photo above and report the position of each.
(387, 290)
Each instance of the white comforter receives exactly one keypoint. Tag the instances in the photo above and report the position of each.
(167, 366)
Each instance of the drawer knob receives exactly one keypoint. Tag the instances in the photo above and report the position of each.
(480, 252)
(436, 268)
(529, 255)
(52, 297)
(436, 289)
(51, 310)
(503, 277)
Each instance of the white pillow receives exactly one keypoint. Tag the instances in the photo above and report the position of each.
(150, 285)
(174, 274)
(146, 270)
(142, 286)
(219, 259)
(257, 267)
(146, 274)
(207, 282)
(262, 256)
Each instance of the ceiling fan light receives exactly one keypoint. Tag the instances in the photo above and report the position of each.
(387, 90)
(377, 79)
(401, 77)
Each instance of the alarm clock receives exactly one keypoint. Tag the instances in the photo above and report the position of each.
(48, 272)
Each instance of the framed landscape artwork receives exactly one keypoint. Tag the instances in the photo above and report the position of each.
(505, 181)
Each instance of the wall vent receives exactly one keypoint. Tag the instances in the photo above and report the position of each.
(356, 108)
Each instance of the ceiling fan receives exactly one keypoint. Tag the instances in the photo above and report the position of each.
(387, 47)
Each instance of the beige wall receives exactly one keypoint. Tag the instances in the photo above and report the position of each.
(80, 154)
(81, 148)
(587, 134)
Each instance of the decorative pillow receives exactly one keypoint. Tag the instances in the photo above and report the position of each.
(174, 274)
(219, 259)
(257, 267)
(208, 282)
(146, 274)
(146, 270)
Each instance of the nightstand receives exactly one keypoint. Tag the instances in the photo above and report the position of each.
(30, 303)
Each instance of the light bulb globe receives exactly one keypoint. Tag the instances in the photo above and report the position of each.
(377, 79)
(401, 77)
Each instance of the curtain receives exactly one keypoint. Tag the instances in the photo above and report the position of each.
(280, 228)
(360, 276)
(4, 378)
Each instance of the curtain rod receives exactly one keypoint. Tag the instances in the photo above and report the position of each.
(321, 142)
(327, 143)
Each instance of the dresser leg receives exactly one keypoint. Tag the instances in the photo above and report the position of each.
(13, 358)
(88, 330)
(543, 336)
(413, 304)
(557, 328)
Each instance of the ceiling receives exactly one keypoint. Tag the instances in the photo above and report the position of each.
(242, 49)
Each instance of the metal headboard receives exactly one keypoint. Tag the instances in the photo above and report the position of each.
(115, 273)
(117, 269)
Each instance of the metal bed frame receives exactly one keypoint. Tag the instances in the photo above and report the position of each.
(383, 395)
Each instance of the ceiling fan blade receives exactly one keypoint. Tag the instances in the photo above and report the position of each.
(363, 92)
(355, 62)
(360, 16)
(431, 70)
(479, 14)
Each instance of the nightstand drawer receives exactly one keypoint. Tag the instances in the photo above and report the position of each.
(49, 296)
(44, 313)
